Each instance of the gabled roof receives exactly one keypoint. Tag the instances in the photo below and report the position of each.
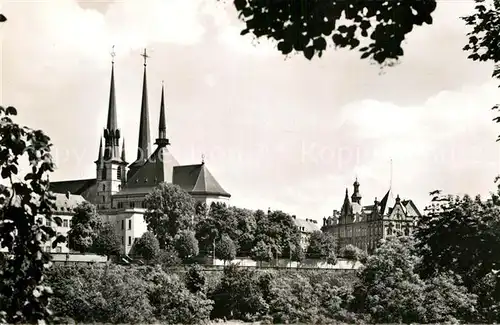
(197, 179)
(66, 203)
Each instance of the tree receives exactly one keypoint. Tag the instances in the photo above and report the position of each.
(85, 226)
(391, 290)
(464, 238)
(354, 253)
(261, 252)
(24, 291)
(297, 252)
(321, 245)
(107, 242)
(376, 28)
(225, 249)
(170, 209)
(147, 247)
(195, 280)
(186, 244)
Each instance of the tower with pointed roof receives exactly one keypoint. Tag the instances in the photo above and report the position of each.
(110, 166)
(356, 195)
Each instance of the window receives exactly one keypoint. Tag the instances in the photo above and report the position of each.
(58, 249)
(103, 175)
(129, 224)
(104, 187)
(70, 223)
(65, 223)
(48, 223)
(123, 224)
(119, 173)
(129, 240)
(132, 205)
(120, 205)
(123, 240)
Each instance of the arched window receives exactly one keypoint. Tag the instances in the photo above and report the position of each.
(119, 173)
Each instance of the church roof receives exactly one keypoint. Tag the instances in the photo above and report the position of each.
(197, 179)
(387, 203)
(85, 187)
(154, 171)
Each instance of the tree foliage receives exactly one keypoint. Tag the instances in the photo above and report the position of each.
(85, 227)
(186, 244)
(321, 245)
(225, 249)
(146, 247)
(24, 293)
(375, 28)
(107, 242)
(170, 209)
(354, 253)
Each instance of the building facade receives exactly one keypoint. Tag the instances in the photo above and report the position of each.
(364, 226)
(306, 228)
(119, 188)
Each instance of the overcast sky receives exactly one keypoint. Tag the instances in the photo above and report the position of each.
(288, 134)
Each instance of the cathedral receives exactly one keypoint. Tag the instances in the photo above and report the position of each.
(363, 226)
(119, 187)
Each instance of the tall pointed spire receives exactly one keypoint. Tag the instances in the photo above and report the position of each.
(144, 133)
(112, 121)
(112, 133)
(162, 125)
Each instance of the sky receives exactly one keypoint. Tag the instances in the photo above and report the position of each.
(277, 132)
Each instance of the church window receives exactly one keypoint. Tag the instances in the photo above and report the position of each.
(103, 187)
(103, 175)
(119, 173)
(129, 224)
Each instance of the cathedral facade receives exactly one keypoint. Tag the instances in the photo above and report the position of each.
(365, 225)
(119, 188)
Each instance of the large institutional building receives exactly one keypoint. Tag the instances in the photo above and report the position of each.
(364, 226)
(119, 188)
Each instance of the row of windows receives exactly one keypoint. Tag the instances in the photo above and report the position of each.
(66, 223)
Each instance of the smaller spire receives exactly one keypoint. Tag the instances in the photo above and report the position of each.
(123, 151)
(99, 157)
(162, 125)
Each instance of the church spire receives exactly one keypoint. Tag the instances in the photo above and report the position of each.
(144, 133)
(112, 122)
(112, 133)
(162, 125)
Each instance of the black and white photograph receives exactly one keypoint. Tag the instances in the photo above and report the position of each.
(249, 162)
